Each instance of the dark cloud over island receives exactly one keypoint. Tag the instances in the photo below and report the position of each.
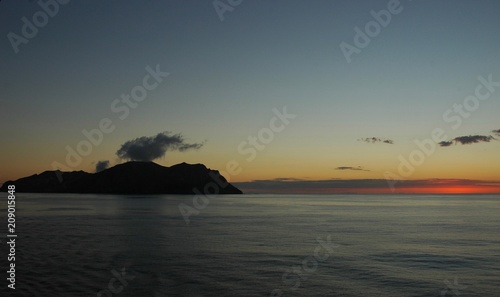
(101, 165)
(154, 147)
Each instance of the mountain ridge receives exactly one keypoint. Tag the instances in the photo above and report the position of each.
(135, 177)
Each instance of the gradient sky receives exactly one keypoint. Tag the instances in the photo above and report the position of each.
(226, 76)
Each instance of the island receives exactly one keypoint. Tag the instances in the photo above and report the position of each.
(129, 178)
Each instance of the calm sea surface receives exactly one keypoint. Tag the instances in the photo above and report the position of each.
(255, 245)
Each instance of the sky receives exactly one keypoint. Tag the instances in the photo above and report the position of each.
(280, 96)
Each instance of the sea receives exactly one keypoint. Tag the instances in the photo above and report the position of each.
(253, 245)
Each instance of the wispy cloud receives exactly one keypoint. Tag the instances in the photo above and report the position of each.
(473, 139)
(445, 143)
(287, 179)
(359, 168)
(154, 147)
(376, 140)
(467, 140)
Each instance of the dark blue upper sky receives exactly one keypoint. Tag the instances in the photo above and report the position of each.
(227, 75)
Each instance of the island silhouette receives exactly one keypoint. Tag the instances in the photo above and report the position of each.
(133, 177)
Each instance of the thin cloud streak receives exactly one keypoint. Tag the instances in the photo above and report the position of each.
(376, 140)
(359, 168)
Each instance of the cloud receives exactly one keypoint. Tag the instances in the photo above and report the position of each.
(445, 143)
(376, 140)
(286, 179)
(101, 165)
(467, 140)
(497, 132)
(359, 168)
(154, 147)
(473, 139)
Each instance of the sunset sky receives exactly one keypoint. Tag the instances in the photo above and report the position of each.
(431, 75)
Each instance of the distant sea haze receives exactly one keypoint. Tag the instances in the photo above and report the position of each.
(257, 245)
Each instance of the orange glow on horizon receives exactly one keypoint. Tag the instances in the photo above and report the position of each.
(430, 189)
(458, 189)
